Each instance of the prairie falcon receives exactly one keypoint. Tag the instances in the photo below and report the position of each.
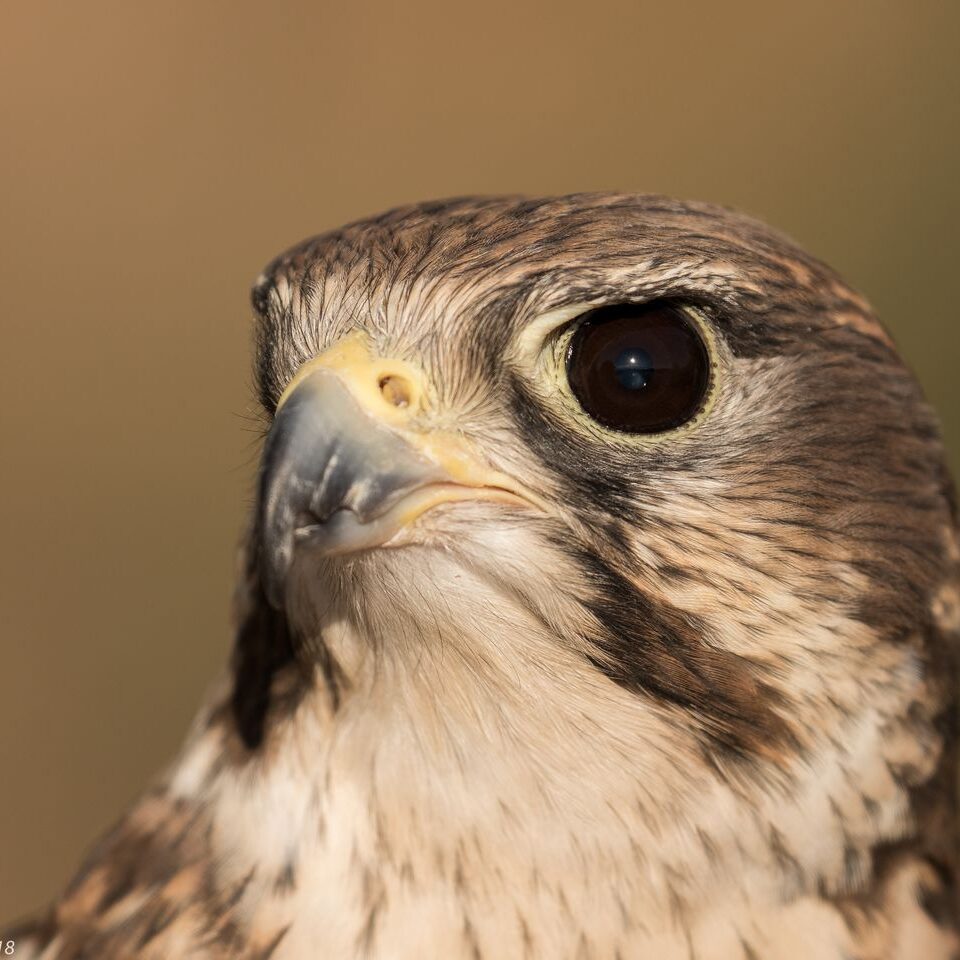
(600, 601)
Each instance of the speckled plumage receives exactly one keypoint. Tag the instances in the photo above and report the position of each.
(705, 707)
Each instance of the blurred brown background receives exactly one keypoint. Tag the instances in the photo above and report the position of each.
(156, 156)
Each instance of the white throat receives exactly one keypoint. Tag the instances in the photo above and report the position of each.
(481, 787)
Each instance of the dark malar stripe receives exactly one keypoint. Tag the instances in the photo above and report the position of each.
(648, 646)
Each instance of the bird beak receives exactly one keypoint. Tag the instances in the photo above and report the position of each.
(345, 468)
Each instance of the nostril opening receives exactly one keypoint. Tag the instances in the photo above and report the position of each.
(395, 390)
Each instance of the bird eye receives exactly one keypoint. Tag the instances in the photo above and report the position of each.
(639, 368)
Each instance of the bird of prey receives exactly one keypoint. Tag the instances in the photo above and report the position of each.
(600, 600)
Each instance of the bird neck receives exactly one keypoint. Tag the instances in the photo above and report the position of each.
(469, 771)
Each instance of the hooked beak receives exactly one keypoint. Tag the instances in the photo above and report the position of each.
(344, 469)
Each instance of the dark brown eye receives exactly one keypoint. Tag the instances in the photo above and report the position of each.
(640, 368)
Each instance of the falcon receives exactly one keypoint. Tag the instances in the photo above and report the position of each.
(600, 600)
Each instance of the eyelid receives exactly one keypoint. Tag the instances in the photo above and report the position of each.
(529, 346)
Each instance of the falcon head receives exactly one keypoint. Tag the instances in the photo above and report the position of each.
(612, 504)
